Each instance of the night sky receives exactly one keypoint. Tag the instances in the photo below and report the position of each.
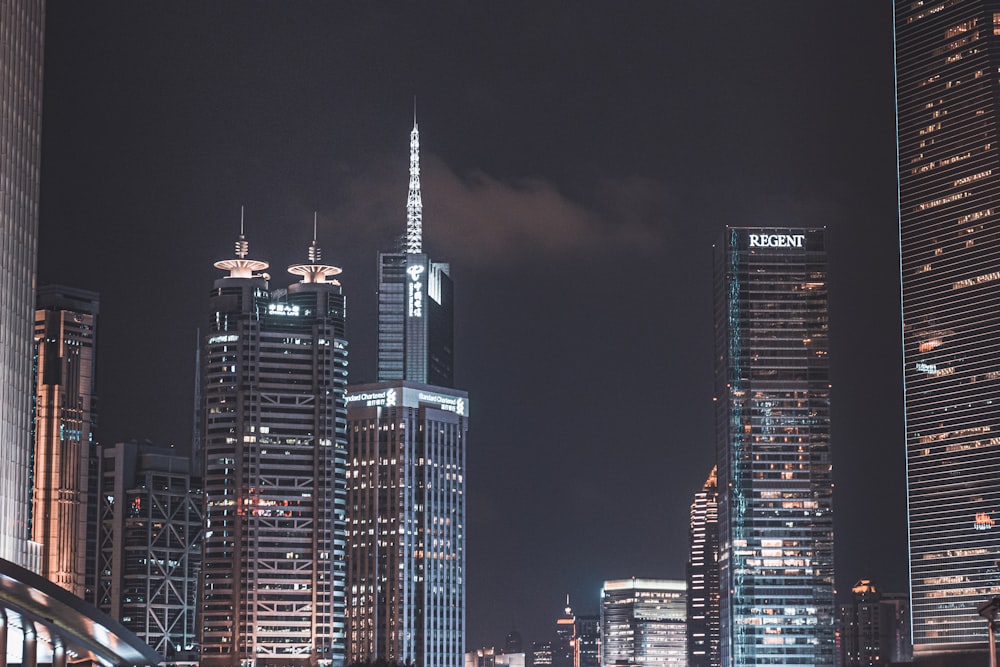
(579, 161)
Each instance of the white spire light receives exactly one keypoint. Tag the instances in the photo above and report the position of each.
(414, 205)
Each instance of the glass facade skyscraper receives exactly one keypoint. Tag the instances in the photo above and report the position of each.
(406, 523)
(947, 60)
(772, 392)
(274, 436)
(64, 364)
(22, 27)
(643, 623)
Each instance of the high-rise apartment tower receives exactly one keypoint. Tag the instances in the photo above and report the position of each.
(274, 383)
(947, 60)
(22, 27)
(772, 392)
(65, 346)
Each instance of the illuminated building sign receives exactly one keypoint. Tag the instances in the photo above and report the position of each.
(411, 398)
(416, 290)
(449, 403)
(372, 399)
(984, 521)
(776, 240)
(926, 368)
(282, 309)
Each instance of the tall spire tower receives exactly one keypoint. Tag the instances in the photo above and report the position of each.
(415, 313)
(414, 205)
(408, 431)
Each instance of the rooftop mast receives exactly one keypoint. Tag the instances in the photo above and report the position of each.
(414, 205)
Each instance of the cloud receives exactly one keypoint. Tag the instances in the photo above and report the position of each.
(479, 220)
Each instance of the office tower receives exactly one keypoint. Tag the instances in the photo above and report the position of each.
(703, 577)
(274, 382)
(541, 653)
(22, 25)
(149, 534)
(564, 649)
(65, 321)
(406, 523)
(415, 302)
(588, 640)
(875, 627)
(772, 392)
(948, 142)
(643, 622)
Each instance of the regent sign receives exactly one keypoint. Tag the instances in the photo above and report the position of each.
(776, 240)
(416, 290)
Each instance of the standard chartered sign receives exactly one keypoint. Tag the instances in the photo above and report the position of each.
(450, 403)
(411, 397)
(776, 240)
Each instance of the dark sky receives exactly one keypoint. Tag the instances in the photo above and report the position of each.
(579, 161)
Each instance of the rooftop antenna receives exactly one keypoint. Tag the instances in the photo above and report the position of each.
(414, 204)
(314, 251)
(241, 267)
(242, 245)
(315, 271)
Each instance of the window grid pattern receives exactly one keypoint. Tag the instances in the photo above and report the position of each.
(948, 67)
(774, 468)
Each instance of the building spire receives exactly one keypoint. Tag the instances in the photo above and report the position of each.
(414, 205)
(315, 271)
(241, 267)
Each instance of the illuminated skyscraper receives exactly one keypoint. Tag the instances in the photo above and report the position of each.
(703, 577)
(274, 383)
(406, 468)
(775, 481)
(415, 303)
(22, 26)
(65, 329)
(643, 623)
(565, 651)
(947, 54)
(406, 523)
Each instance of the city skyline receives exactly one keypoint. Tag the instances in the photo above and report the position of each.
(577, 212)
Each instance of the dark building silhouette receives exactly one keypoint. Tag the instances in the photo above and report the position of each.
(513, 643)
(149, 533)
(875, 628)
(588, 640)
